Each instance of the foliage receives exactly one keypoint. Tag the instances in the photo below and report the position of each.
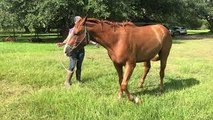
(204, 10)
(42, 15)
(7, 19)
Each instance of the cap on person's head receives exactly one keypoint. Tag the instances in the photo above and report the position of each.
(76, 18)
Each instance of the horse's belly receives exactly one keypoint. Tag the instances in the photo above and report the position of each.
(144, 59)
(146, 55)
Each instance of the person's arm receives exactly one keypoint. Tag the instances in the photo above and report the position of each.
(66, 40)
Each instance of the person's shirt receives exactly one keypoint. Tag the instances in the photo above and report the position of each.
(70, 35)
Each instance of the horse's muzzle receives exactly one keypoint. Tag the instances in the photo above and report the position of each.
(68, 50)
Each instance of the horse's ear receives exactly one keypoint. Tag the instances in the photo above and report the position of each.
(84, 20)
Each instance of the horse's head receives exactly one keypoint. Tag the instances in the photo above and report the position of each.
(79, 39)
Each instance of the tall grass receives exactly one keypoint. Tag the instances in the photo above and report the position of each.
(31, 85)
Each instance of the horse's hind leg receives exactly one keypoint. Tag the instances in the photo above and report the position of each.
(163, 55)
(147, 67)
(162, 70)
(163, 61)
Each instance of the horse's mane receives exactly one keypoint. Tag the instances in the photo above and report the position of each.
(121, 24)
(117, 24)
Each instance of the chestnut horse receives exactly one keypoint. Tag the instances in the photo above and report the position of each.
(127, 44)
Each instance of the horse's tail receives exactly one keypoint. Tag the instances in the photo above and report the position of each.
(156, 58)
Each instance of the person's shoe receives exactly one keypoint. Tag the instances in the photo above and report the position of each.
(68, 81)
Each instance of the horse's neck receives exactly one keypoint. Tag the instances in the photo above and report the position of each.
(103, 37)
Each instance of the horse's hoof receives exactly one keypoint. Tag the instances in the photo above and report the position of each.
(137, 100)
(140, 85)
(119, 96)
(159, 93)
(120, 93)
(67, 85)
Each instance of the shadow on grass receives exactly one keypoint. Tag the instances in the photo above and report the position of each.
(171, 85)
(40, 40)
(32, 40)
(176, 42)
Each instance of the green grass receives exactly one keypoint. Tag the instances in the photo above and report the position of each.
(194, 32)
(31, 85)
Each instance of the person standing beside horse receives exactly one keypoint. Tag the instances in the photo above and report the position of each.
(76, 58)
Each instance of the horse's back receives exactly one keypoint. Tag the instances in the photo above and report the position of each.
(150, 33)
(147, 41)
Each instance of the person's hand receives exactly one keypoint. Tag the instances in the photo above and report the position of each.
(60, 44)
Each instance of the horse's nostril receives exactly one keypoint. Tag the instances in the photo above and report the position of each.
(66, 50)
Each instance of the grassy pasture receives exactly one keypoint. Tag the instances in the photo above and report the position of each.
(31, 85)
(194, 32)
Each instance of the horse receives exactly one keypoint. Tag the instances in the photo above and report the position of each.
(126, 44)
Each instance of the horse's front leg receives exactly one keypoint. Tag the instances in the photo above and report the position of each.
(129, 67)
(119, 69)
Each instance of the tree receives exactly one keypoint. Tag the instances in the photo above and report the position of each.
(19, 9)
(42, 15)
(204, 9)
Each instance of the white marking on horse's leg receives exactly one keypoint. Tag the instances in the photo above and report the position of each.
(137, 100)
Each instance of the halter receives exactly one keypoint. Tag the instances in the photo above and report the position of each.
(86, 37)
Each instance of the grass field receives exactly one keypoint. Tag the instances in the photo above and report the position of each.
(31, 85)
(194, 32)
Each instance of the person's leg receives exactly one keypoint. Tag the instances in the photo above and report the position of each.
(68, 81)
(79, 64)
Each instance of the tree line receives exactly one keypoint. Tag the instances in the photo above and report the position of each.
(43, 15)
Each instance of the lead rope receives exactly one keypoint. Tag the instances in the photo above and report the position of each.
(64, 66)
(86, 36)
(60, 60)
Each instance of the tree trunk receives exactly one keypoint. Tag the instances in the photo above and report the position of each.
(211, 25)
(210, 21)
(14, 32)
(26, 29)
